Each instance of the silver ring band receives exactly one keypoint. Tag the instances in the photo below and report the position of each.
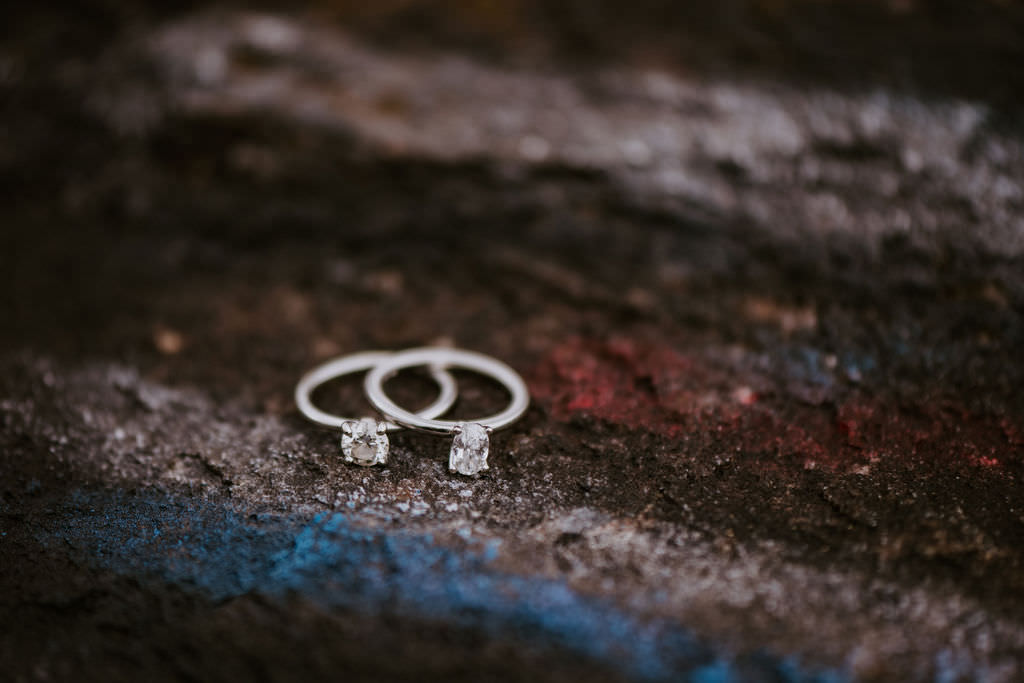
(356, 363)
(445, 358)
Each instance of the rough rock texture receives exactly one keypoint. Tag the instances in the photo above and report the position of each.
(767, 289)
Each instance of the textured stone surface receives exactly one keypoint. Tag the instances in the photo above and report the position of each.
(765, 281)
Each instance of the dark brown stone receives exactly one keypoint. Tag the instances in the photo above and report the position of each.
(770, 314)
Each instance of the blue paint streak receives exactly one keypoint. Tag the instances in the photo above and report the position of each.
(222, 553)
(716, 672)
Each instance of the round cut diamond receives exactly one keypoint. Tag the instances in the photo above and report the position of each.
(469, 449)
(364, 442)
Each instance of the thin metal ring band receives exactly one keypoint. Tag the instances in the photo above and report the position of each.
(356, 363)
(448, 358)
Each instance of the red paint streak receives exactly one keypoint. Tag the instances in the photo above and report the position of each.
(620, 382)
(661, 390)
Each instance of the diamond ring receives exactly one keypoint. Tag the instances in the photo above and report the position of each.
(365, 441)
(472, 438)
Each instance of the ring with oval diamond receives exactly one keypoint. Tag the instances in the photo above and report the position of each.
(365, 441)
(471, 444)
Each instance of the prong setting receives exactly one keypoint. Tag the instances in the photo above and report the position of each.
(365, 442)
(470, 448)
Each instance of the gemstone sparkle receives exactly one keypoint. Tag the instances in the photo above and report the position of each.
(469, 449)
(364, 442)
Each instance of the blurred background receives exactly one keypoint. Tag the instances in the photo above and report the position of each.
(761, 263)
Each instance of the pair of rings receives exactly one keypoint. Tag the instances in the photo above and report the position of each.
(365, 441)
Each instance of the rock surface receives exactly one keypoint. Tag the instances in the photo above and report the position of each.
(771, 316)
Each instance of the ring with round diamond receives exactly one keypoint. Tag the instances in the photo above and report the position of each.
(365, 441)
(471, 444)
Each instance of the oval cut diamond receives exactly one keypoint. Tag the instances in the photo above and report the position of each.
(363, 443)
(469, 449)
